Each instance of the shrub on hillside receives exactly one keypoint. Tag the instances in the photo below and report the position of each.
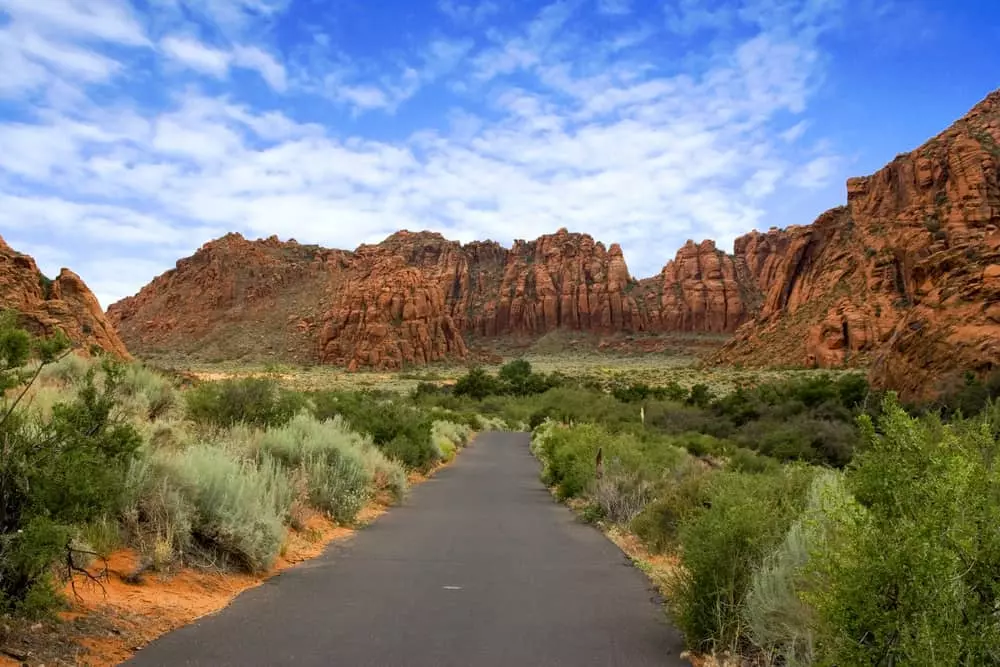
(621, 493)
(155, 395)
(157, 516)
(255, 401)
(781, 624)
(569, 455)
(701, 396)
(447, 437)
(968, 396)
(477, 384)
(677, 418)
(70, 369)
(801, 439)
(686, 490)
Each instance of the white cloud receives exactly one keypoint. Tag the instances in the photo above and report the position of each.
(196, 55)
(795, 132)
(610, 147)
(217, 62)
(106, 20)
(253, 58)
(527, 49)
(56, 46)
(816, 173)
(388, 91)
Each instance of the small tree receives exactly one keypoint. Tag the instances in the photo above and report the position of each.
(477, 384)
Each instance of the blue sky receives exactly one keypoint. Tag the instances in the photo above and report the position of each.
(133, 132)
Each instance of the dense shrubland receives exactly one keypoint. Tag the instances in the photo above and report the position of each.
(814, 522)
(811, 419)
(96, 455)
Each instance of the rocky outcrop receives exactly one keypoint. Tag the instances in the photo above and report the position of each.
(46, 306)
(389, 306)
(418, 297)
(702, 289)
(904, 278)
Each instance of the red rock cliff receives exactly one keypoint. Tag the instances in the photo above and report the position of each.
(906, 277)
(62, 304)
(417, 298)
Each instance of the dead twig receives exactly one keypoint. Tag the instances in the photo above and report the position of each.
(72, 569)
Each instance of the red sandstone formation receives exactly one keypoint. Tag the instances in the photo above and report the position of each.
(417, 298)
(63, 304)
(904, 278)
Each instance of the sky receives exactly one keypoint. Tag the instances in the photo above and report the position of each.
(133, 132)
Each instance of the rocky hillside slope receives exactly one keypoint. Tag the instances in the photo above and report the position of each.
(905, 278)
(49, 305)
(418, 297)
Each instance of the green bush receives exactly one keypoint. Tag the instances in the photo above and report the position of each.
(658, 524)
(240, 505)
(255, 401)
(800, 438)
(677, 419)
(914, 578)
(621, 493)
(477, 384)
(331, 459)
(54, 474)
(158, 517)
(781, 624)
(156, 395)
(69, 370)
(401, 431)
(970, 395)
(723, 542)
(700, 396)
(447, 437)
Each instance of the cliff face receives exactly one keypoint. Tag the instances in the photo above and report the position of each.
(62, 304)
(702, 289)
(389, 307)
(906, 277)
(417, 298)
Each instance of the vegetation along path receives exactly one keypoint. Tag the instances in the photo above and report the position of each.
(478, 567)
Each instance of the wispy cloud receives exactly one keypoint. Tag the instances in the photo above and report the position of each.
(614, 7)
(217, 62)
(550, 130)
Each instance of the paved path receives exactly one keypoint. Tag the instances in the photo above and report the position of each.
(480, 567)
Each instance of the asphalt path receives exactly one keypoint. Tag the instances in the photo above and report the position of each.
(478, 567)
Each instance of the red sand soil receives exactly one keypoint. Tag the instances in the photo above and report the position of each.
(108, 623)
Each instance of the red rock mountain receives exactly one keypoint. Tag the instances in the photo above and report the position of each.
(48, 305)
(905, 278)
(417, 297)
